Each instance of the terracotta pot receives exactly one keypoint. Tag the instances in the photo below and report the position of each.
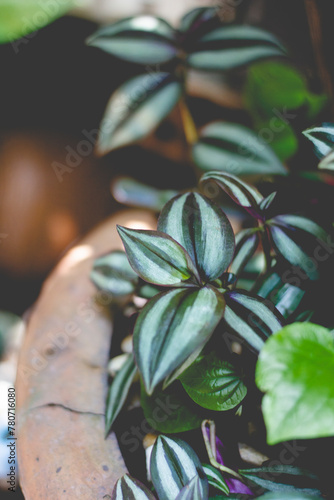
(62, 378)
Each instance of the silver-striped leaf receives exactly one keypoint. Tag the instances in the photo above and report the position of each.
(157, 258)
(170, 327)
(213, 383)
(228, 47)
(202, 229)
(118, 391)
(288, 234)
(254, 319)
(173, 465)
(136, 108)
(322, 138)
(113, 274)
(192, 491)
(141, 39)
(129, 488)
(327, 163)
(246, 243)
(235, 149)
(215, 478)
(197, 18)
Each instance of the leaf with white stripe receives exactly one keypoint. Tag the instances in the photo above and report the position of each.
(170, 327)
(173, 465)
(141, 39)
(246, 243)
(202, 229)
(158, 258)
(303, 223)
(192, 491)
(119, 391)
(235, 149)
(215, 478)
(136, 109)
(251, 317)
(228, 47)
(198, 19)
(128, 488)
(113, 274)
(322, 138)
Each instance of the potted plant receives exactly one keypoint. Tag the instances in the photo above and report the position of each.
(218, 315)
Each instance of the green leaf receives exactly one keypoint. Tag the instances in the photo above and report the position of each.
(136, 108)
(118, 391)
(202, 229)
(251, 317)
(141, 39)
(213, 383)
(322, 138)
(247, 242)
(266, 202)
(168, 411)
(239, 191)
(173, 465)
(274, 91)
(295, 369)
(197, 19)
(112, 273)
(192, 491)
(327, 163)
(157, 258)
(288, 496)
(18, 18)
(215, 478)
(128, 488)
(288, 235)
(229, 47)
(172, 326)
(283, 478)
(180, 369)
(235, 149)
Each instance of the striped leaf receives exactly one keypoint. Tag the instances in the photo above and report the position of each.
(136, 108)
(322, 138)
(142, 39)
(213, 383)
(251, 317)
(192, 491)
(229, 47)
(286, 478)
(172, 326)
(119, 390)
(128, 488)
(197, 19)
(173, 465)
(327, 163)
(288, 233)
(113, 274)
(246, 243)
(215, 478)
(157, 258)
(266, 202)
(235, 149)
(202, 229)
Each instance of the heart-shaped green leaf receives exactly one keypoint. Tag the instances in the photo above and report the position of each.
(246, 243)
(251, 317)
(235, 149)
(170, 327)
(173, 465)
(119, 390)
(213, 383)
(192, 491)
(284, 478)
(202, 229)
(113, 274)
(215, 478)
(128, 488)
(136, 108)
(157, 258)
(20, 17)
(141, 39)
(295, 369)
(170, 410)
(229, 47)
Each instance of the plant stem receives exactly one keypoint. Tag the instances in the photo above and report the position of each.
(266, 248)
(189, 126)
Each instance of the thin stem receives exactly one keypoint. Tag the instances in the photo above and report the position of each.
(210, 444)
(266, 248)
(189, 126)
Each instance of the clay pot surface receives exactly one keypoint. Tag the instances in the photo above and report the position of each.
(62, 378)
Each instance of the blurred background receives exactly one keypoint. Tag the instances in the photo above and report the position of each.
(53, 93)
